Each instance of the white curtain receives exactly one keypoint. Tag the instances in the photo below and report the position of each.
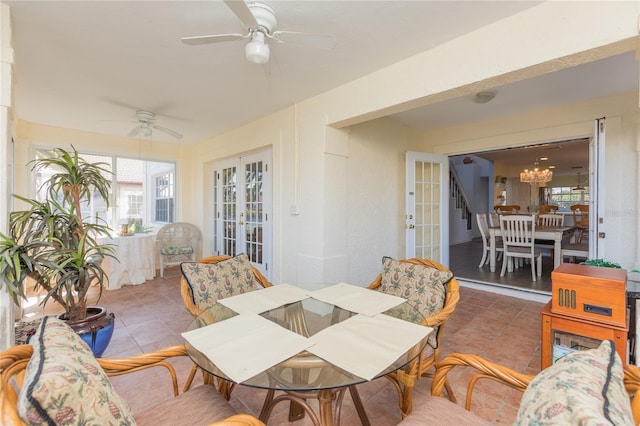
(520, 193)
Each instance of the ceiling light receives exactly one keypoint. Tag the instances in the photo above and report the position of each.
(483, 97)
(536, 175)
(257, 51)
(579, 187)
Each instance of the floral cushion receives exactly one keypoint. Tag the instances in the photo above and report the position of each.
(171, 251)
(64, 385)
(210, 282)
(583, 387)
(422, 286)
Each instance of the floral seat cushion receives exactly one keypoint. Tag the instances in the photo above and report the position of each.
(65, 385)
(172, 251)
(210, 282)
(422, 286)
(581, 388)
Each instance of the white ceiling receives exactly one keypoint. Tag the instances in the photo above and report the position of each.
(89, 65)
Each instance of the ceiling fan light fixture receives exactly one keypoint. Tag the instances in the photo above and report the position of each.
(145, 131)
(257, 51)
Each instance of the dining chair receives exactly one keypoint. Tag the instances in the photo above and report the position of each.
(552, 220)
(507, 209)
(494, 219)
(547, 209)
(580, 220)
(200, 288)
(518, 239)
(573, 250)
(176, 243)
(484, 232)
(436, 318)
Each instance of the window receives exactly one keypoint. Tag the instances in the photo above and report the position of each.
(142, 192)
(164, 199)
(565, 196)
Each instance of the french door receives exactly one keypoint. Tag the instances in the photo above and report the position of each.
(427, 207)
(242, 208)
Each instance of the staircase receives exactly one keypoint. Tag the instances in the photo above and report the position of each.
(460, 216)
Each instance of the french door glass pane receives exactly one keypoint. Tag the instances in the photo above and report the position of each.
(229, 211)
(253, 209)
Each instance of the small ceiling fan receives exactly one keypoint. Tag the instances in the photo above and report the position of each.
(260, 21)
(146, 124)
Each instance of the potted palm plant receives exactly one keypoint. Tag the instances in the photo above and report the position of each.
(51, 245)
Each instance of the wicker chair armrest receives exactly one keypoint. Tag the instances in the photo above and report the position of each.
(632, 385)
(13, 362)
(486, 370)
(239, 420)
(120, 366)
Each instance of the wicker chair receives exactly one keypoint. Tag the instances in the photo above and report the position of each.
(176, 243)
(14, 360)
(225, 387)
(185, 290)
(431, 409)
(429, 359)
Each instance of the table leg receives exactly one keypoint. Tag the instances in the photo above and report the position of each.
(492, 252)
(325, 399)
(557, 250)
(357, 403)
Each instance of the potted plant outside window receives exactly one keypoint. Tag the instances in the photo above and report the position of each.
(52, 245)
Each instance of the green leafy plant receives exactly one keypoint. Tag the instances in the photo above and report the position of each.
(50, 243)
(600, 262)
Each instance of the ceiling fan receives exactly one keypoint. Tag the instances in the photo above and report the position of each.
(146, 124)
(260, 21)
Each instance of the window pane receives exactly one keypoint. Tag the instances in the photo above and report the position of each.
(137, 186)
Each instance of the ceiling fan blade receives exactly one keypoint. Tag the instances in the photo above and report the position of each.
(134, 132)
(168, 131)
(318, 41)
(217, 38)
(242, 11)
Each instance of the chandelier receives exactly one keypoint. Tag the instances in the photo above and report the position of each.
(536, 175)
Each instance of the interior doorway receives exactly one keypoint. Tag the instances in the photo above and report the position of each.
(490, 178)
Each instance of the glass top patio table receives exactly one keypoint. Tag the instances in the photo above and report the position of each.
(306, 318)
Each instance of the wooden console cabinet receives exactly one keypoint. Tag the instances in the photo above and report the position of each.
(560, 329)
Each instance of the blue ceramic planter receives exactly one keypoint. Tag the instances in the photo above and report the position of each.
(96, 330)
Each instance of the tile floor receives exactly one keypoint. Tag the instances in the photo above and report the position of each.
(500, 328)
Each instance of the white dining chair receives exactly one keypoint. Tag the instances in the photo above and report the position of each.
(553, 220)
(518, 239)
(483, 226)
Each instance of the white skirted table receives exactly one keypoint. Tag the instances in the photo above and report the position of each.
(136, 260)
